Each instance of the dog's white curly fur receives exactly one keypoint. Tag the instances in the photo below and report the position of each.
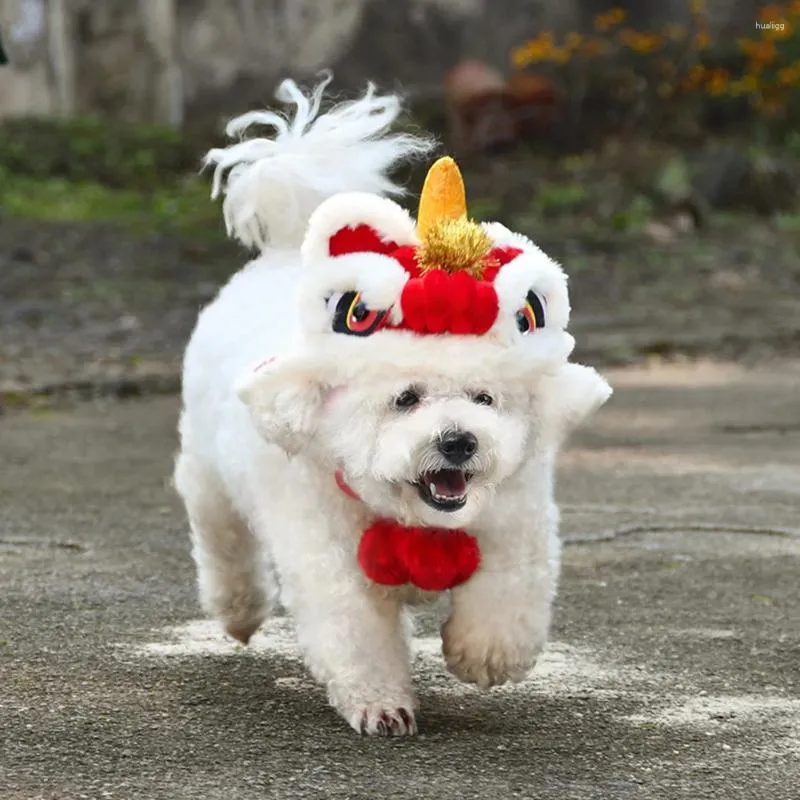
(260, 446)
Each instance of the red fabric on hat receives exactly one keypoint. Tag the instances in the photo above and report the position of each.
(407, 257)
(359, 239)
(502, 255)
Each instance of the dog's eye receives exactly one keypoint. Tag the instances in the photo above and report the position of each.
(407, 399)
(350, 315)
(531, 316)
(483, 399)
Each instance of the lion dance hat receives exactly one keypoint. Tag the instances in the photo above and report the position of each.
(444, 276)
(380, 288)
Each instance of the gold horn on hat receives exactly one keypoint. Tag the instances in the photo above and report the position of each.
(443, 196)
(449, 240)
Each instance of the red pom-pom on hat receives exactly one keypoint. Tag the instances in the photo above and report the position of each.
(463, 291)
(437, 301)
(485, 308)
(412, 304)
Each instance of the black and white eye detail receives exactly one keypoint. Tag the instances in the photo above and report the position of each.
(531, 317)
(408, 399)
(350, 315)
(482, 399)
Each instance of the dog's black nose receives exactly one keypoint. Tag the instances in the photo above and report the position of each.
(458, 447)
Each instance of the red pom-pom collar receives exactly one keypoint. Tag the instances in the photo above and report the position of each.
(432, 559)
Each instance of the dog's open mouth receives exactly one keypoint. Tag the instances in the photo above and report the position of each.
(444, 489)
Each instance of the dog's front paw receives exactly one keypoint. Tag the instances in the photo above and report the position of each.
(392, 714)
(377, 719)
(486, 655)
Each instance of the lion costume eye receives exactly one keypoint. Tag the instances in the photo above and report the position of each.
(531, 316)
(351, 316)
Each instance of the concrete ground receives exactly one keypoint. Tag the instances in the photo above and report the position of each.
(674, 668)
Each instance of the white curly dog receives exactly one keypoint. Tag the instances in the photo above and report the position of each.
(319, 396)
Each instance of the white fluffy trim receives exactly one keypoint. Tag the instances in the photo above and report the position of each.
(389, 220)
(537, 272)
(334, 359)
(534, 269)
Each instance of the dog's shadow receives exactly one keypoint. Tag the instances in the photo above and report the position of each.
(263, 708)
(251, 687)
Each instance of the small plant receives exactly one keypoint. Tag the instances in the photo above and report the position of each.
(658, 78)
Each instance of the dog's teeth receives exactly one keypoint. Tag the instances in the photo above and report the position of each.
(432, 489)
(448, 497)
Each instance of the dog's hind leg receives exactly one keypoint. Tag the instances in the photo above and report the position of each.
(232, 573)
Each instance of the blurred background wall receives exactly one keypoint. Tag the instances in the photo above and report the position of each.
(176, 61)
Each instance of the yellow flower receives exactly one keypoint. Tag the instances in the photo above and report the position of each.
(573, 41)
(789, 76)
(701, 40)
(745, 85)
(640, 42)
(650, 42)
(762, 53)
(782, 30)
(609, 20)
(695, 77)
(519, 57)
(559, 54)
(718, 82)
(532, 52)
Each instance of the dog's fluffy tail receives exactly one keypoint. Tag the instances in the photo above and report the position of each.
(272, 185)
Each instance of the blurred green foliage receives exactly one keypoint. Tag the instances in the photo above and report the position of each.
(87, 169)
(95, 150)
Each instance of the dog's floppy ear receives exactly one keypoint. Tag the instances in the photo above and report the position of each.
(284, 400)
(356, 222)
(567, 397)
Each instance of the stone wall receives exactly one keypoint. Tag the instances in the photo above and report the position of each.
(172, 60)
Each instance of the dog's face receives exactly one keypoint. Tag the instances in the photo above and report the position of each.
(432, 446)
(430, 452)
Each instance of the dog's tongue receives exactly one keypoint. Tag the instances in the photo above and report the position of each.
(448, 482)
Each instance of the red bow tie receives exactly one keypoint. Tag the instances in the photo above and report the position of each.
(432, 559)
